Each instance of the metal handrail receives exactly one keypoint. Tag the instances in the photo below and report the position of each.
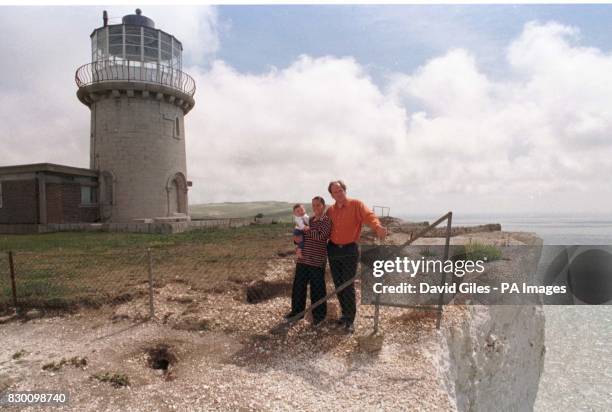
(440, 307)
(134, 71)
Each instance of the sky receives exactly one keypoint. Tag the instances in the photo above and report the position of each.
(473, 108)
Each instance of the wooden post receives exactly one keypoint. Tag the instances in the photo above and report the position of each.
(13, 286)
(150, 262)
(376, 312)
(449, 216)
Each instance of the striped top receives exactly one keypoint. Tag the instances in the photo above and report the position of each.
(315, 242)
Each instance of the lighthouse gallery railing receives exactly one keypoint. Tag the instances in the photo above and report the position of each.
(131, 70)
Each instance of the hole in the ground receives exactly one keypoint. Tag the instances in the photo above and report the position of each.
(161, 357)
(261, 290)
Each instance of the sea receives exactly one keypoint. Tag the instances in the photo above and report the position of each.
(577, 372)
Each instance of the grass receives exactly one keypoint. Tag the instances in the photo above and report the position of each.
(118, 380)
(428, 252)
(56, 366)
(480, 251)
(33, 286)
(62, 242)
(63, 270)
(269, 209)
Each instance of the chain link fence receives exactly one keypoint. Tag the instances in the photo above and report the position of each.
(190, 290)
(235, 293)
(66, 281)
(71, 280)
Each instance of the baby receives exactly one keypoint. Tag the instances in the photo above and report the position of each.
(301, 223)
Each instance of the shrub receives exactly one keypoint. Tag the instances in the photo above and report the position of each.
(427, 252)
(116, 379)
(480, 251)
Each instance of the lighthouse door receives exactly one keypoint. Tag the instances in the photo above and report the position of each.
(177, 194)
(173, 198)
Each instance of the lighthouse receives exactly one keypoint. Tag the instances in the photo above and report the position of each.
(138, 97)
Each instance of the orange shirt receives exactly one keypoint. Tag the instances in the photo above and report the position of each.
(348, 219)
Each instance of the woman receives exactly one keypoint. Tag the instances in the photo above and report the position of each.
(310, 268)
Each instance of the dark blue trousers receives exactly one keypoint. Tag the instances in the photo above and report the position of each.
(305, 275)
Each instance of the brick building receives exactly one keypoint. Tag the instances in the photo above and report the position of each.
(47, 193)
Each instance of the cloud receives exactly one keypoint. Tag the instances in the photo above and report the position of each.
(284, 134)
(445, 136)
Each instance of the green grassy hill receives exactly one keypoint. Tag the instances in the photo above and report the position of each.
(281, 211)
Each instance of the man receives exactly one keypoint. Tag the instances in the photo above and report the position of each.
(347, 216)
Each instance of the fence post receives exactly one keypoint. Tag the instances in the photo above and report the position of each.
(449, 216)
(150, 264)
(376, 312)
(13, 286)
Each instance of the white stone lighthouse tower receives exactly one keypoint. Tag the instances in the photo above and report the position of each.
(138, 97)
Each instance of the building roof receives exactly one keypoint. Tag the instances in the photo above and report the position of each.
(47, 167)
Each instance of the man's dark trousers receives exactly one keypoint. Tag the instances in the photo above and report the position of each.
(343, 265)
(305, 274)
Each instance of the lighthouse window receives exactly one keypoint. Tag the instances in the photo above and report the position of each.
(115, 30)
(177, 127)
(150, 53)
(130, 39)
(165, 59)
(115, 41)
(165, 38)
(150, 41)
(176, 62)
(166, 47)
(136, 44)
(151, 44)
(132, 52)
(100, 44)
(132, 30)
(149, 32)
(116, 50)
(88, 195)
